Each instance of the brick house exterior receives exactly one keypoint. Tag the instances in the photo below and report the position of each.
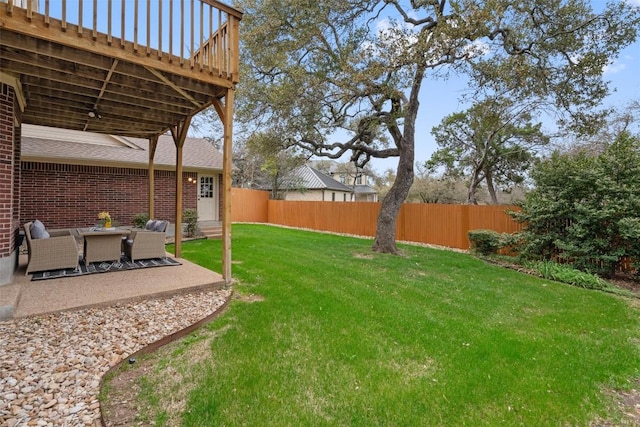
(75, 194)
(70, 176)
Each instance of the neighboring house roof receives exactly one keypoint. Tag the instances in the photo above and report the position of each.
(45, 144)
(335, 169)
(364, 189)
(312, 179)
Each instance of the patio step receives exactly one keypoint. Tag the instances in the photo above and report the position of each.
(212, 232)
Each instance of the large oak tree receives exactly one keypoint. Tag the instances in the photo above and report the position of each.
(345, 76)
(494, 141)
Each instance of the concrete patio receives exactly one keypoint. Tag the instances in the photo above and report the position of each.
(24, 297)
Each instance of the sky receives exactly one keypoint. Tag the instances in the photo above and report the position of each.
(440, 98)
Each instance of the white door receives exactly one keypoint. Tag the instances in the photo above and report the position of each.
(207, 198)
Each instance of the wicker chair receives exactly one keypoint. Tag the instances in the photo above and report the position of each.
(58, 251)
(148, 243)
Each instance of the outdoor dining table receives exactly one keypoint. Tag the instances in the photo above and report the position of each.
(102, 244)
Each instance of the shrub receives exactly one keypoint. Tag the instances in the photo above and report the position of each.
(585, 208)
(630, 237)
(567, 274)
(140, 220)
(190, 218)
(485, 242)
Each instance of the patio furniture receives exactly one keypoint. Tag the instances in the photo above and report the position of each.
(51, 250)
(102, 245)
(147, 243)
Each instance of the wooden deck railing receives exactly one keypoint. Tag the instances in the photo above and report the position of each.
(201, 34)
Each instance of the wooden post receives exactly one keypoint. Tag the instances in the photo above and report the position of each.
(179, 133)
(227, 120)
(153, 143)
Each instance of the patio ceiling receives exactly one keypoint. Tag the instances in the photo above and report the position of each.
(77, 78)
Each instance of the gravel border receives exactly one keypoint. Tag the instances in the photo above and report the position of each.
(52, 365)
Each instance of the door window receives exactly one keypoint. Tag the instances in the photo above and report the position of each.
(206, 187)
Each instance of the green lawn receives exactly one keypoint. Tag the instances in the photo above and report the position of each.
(345, 337)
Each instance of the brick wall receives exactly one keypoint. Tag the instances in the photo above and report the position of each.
(65, 196)
(17, 176)
(7, 137)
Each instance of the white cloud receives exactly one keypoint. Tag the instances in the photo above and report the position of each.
(617, 65)
(614, 68)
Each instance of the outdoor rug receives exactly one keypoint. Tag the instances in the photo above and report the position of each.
(104, 267)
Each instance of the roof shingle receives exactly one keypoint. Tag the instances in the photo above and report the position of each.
(60, 146)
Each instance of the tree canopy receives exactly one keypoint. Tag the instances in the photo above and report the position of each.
(264, 162)
(344, 76)
(493, 141)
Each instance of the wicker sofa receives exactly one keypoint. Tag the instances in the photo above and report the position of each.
(58, 249)
(147, 243)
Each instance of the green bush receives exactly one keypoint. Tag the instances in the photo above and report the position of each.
(140, 220)
(630, 237)
(485, 242)
(585, 208)
(190, 218)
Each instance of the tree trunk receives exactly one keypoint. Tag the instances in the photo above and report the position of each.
(473, 187)
(385, 240)
(490, 187)
(476, 175)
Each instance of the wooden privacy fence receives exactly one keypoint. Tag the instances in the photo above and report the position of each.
(448, 225)
(443, 225)
(249, 205)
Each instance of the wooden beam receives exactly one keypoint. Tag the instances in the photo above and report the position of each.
(106, 80)
(226, 185)
(173, 86)
(119, 85)
(30, 53)
(153, 144)
(103, 88)
(119, 105)
(117, 119)
(115, 99)
(179, 134)
(219, 107)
